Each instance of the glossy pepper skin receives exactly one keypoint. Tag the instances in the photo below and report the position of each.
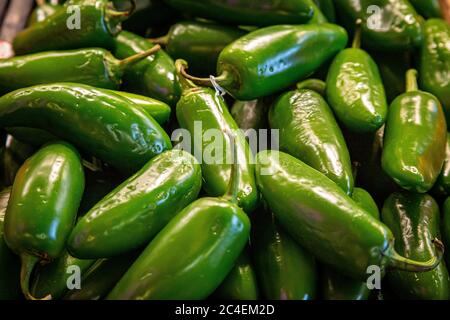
(199, 110)
(105, 125)
(428, 8)
(250, 114)
(355, 90)
(42, 11)
(138, 208)
(395, 27)
(435, 62)
(414, 151)
(199, 43)
(446, 227)
(155, 76)
(366, 202)
(309, 132)
(325, 221)
(414, 221)
(100, 24)
(42, 209)
(249, 12)
(285, 270)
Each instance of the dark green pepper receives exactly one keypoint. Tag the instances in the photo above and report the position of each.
(105, 125)
(428, 8)
(13, 156)
(328, 223)
(355, 90)
(251, 114)
(99, 23)
(268, 60)
(415, 138)
(414, 221)
(138, 208)
(443, 181)
(435, 62)
(446, 227)
(43, 206)
(327, 8)
(155, 76)
(31, 136)
(201, 110)
(365, 201)
(249, 12)
(285, 270)
(42, 11)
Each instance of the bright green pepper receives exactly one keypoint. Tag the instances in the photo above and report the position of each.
(446, 227)
(138, 208)
(99, 23)
(42, 11)
(386, 24)
(270, 59)
(327, 8)
(309, 131)
(355, 90)
(285, 270)
(155, 76)
(414, 220)
(325, 221)
(435, 62)
(428, 8)
(43, 206)
(105, 125)
(249, 12)
(365, 201)
(415, 138)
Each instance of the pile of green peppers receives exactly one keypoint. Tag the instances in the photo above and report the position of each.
(105, 129)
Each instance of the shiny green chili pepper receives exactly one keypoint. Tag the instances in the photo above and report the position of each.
(43, 206)
(99, 24)
(251, 114)
(327, 8)
(138, 208)
(96, 67)
(155, 76)
(355, 90)
(316, 85)
(270, 59)
(9, 262)
(446, 227)
(318, 16)
(428, 8)
(285, 270)
(366, 202)
(309, 131)
(249, 12)
(105, 125)
(198, 43)
(415, 138)
(386, 24)
(200, 110)
(443, 181)
(42, 11)
(435, 62)
(328, 223)
(414, 221)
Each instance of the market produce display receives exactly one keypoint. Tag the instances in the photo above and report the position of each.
(226, 150)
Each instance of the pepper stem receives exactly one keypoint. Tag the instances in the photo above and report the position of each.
(233, 187)
(28, 264)
(316, 85)
(411, 80)
(139, 56)
(356, 44)
(181, 66)
(396, 261)
(205, 82)
(163, 41)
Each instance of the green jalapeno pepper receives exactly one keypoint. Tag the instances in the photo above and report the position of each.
(328, 223)
(428, 8)
(105, 125)
(435, 62)
(98, 24)
(270, 59)
(250, 114)
(201, 110)
(309, 131)
(14, 154)
(96, 67)
(285, 270)
(138, 208)
(313, 84)
(30, 136)
(327, 8)
(355, 90)
(446, 227)
(415, 138)
(442, 185)
(42, 11)
(414, 221)
(155, 76)
(43, 206)
(365, 201)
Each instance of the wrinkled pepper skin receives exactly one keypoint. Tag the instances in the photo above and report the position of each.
(428, 8)
(325, 221)
(309, 132)
(138, 208)
(105, 125)
(240, 283)
(435, 62)
(154, 77)
(414, 151)
(268, 60)
(443, 182)
(414, 221)
(42, 11)
(327, 8)
(9, 262)
(446, 227)
(249, 12)
(395, 27)
(99, 27)
(285, 270)
(365, 201)
(216, 231)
